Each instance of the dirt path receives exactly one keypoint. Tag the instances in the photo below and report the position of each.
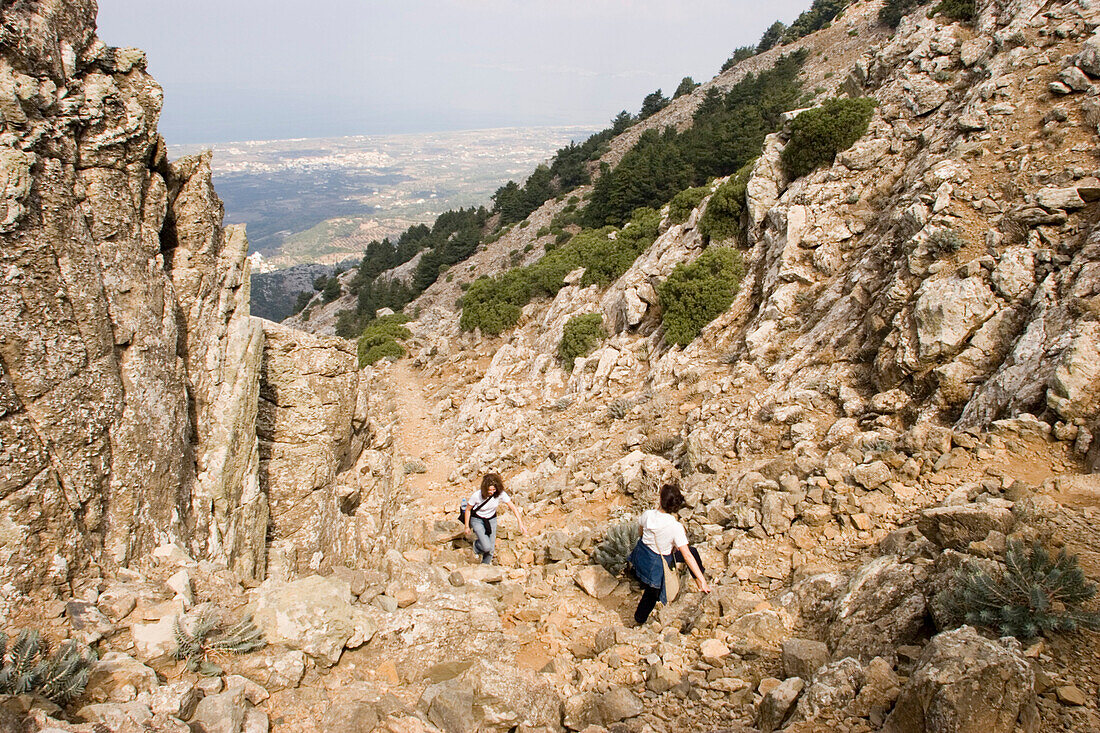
(420, 438)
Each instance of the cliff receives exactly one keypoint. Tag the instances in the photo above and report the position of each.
(130, 369)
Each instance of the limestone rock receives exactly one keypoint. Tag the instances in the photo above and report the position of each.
(964, 682)
(492, 696)
(883, 607)
(115, 671)
(777, 704)
(803, 657)
(1059, 198)
(221, 713)
(596, 581)
(313, 614)
(956, 527)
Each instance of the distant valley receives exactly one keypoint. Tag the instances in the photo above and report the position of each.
(323, 200)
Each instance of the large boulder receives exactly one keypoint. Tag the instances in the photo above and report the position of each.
(965, 683)
(955, 527)
(492, 695)
(313, 614)
(883, 607)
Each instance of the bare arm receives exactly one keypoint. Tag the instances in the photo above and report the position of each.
(685, 552)
(468, 510)
(515, 510)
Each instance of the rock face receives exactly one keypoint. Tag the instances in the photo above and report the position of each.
(130, 368)
(311, 422)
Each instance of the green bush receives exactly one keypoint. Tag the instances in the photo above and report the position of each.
(582, 334)
(494, 304)
(722, 218)
(696, 292)
(964, 10)
(683, 203)
(1034, 594)
(379, 339)
(818, 134)
(892, 11)
(28, 667)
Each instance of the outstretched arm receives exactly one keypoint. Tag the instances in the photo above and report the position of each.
(685, 551)
(515, 510)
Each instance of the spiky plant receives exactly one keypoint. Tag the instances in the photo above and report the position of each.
(64, 675)
(1034, 594)
(660, 444)
(208, 639)
(28, 666)
(616, 546)
(618, 409)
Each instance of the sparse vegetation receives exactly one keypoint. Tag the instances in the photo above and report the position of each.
(618, 409)
(945, 241)
(29, 667)
(820, 14)
(818, 134)
(722, 218)
(1033, 594)
(659, 445)
(617, 545)
(687, 86)
(581, 335)
(207, 640)
(696, 292)
(738, 55)
(494, 304)
(772, 36)
(379, 339)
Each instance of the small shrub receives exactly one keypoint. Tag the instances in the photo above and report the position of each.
(379, 339)
(695, 293)
(963, 10)
(415, 465)
(945, 241)
(818, 134)
(29, 667)
(562, 238)
(722, 218)
(660, 444)
(524, 224)
(618, 409)
(542, 232)
(683, 203)
(209, 639)
(1034, 594)
(332, 290)
(617, 545)
(582, 334)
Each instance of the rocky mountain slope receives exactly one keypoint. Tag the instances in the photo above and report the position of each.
(905, 384)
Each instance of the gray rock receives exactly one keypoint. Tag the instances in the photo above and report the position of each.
(1088, 58)
(883, 607)
(115, 671)
(1059, 198)
(778, 703)
(220, 713)
(803, 657)
(1075, 79)
(618, 703)
(314, 614)
(834, 687)
(956, 527)
(966, 683)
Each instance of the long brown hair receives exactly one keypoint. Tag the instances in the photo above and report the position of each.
(492, 480)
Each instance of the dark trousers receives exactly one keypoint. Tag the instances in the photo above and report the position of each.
(651, 595)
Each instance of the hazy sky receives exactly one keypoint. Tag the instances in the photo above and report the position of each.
(266, 69)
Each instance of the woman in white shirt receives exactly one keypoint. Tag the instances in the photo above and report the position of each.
(480, 515)
(663, 540)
